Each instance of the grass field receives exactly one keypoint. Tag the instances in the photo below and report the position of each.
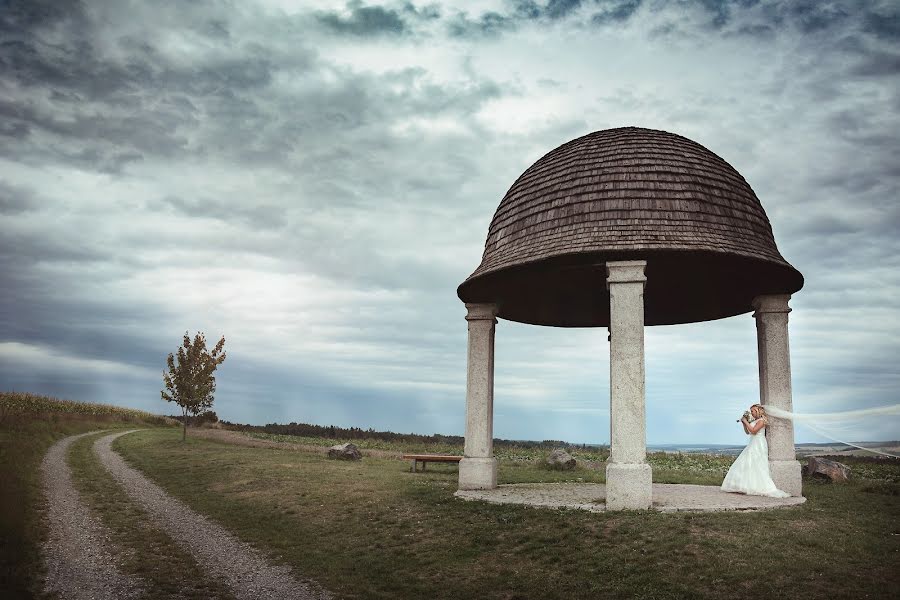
(374, 530)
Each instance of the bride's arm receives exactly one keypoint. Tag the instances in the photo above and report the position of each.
(757, 425)
(746, 425)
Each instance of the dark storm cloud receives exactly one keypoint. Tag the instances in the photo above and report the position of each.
(22, 15)
(106, 112)
(488, 24)
(365, 21)
(884, 24)
(877, 64)
(759, 19)
(15, 200)
(258, 217)
(616, 12)
(23, 249)
(826, 225)
(372, 21)
(718, 10)
(858, 182)
(753, 18)
(92, 327)
(811, 16)
(492, 23)
(554, 9)
(90, 139)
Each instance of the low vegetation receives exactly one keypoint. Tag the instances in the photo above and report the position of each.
(375, 530)
(306, 433)
(875, 468)
(30, 425)
(22, 405)
(503, 449)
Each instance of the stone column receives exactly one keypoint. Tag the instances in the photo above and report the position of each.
(775, 388)
(629, 481)
(478, 470)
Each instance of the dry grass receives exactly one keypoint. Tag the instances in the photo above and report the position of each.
(18, 406)
(374, 530)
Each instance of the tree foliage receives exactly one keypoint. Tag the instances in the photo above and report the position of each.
(190, 381)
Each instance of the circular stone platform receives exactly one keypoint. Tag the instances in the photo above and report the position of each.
(667, 497)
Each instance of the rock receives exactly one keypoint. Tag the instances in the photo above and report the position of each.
(560, 459)
(827, 469)
(344, 452)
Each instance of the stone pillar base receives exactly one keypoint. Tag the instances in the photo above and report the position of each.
(786, 475)
(477, 473)
(629, 486)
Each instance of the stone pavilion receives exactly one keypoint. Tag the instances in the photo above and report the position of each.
(624, 228)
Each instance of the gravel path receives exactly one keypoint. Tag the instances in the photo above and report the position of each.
(77, 552)
(218, 552)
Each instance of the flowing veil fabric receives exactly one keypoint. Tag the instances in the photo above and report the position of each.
(825, 424)
(749, 473)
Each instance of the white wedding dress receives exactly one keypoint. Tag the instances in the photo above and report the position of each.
(749, 474)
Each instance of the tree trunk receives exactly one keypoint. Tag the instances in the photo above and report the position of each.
(184, 424)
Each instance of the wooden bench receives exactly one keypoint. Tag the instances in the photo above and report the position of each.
(427, 458)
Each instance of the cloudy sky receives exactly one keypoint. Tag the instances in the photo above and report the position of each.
(314, 179)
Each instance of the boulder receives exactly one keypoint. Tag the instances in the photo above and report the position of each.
(560, 459)
(827, 469)
(344, 452)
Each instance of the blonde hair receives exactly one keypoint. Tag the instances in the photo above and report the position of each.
(761, 409)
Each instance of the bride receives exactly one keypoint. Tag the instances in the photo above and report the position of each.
(749, 474)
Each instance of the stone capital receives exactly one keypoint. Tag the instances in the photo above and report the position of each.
(625, 271)
(481, 312)
(776, 303)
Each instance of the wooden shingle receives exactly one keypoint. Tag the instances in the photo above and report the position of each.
(624, 194)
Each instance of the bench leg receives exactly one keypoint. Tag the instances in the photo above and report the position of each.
(414, 465)
(424, 462)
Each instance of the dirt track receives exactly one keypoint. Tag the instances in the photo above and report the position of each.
(78, 553)
(221, 554)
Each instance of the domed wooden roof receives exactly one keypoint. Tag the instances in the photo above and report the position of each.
(628, 194)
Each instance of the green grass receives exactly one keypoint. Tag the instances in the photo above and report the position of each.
(146, 551)
(25, 438)
(374, 530)
(868, 467)
(504, 450)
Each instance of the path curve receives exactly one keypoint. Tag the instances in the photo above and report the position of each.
(220, 553)
(77, 552)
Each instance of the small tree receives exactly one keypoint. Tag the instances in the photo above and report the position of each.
(190, 381)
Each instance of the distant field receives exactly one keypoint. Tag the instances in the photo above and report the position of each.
(18, 405)
(668, 466)
(507, 450)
